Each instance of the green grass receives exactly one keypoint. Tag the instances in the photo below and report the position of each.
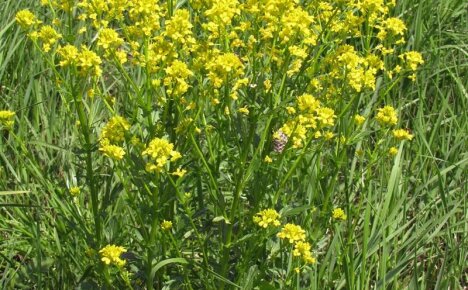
(407, 220)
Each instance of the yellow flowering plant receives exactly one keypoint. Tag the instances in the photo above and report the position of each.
(253, 107)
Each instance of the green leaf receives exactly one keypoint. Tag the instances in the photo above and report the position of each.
(167, 262)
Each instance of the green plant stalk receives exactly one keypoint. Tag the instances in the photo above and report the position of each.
(85, 131)
(243, 178)
(153, 232)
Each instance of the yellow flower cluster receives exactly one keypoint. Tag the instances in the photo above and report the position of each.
(26, 19)
(296, 235)
(221, 13)
(110, 254)
(267, 217)
(339, 214)
(86, 61)
(160, 152)
(358, 71)
(112, 135)
(412, 59)
(115, 129)
(393, 151)
(179, 172)
(391, 27)
(166, 225)
(75, 190)
(310, 118)
(224, 66)
(292, 232)
(47, 35)
(109, 39)
(303, 249)
(386, 116)
(179, 28)
(7, 119)
(402, 134)
(112, 151)
(359, 119)
(176, 78)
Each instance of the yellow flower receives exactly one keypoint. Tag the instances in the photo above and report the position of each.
(176, 78)
(392, 25)
(6, 115)
(325, 116)
(160, 152)
(267, 85)
(166, 225)
(49, 37)
(112, 151)
(74, 191)
(223, 66)
(359, 119)
(393, 151)
(412, 59)
(110, 254)
(243, 110)
(328, 135)
(386, 116)
(109, 39)
(266, 218)
(292, 232)
(268, 159)
(302, 249)
(291, 110)
(179, 172)
(222, 11)
(115, 129)
(68, 54)
(26, 19)
(339, 214)
(88, 61)
(7, 119)
(179, 27)
(402, 134)
(307, 103)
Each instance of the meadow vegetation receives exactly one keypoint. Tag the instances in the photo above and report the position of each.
(270, 144)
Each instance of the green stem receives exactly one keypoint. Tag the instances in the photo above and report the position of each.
(85, 131)
(153, 232)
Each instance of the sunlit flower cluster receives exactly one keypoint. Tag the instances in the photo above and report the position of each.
(267, 217)
(339, 214)
(26, 19)
(296, 236)
(292, 233)
(160, 153)
(303, 249)
(112, 136)
(310, 119)
(166, 225)
(402, 134)
(110, 254)
(387, 116)
(75, 190)
(7, 119)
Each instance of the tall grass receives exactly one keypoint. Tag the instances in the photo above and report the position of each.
(406, 226)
